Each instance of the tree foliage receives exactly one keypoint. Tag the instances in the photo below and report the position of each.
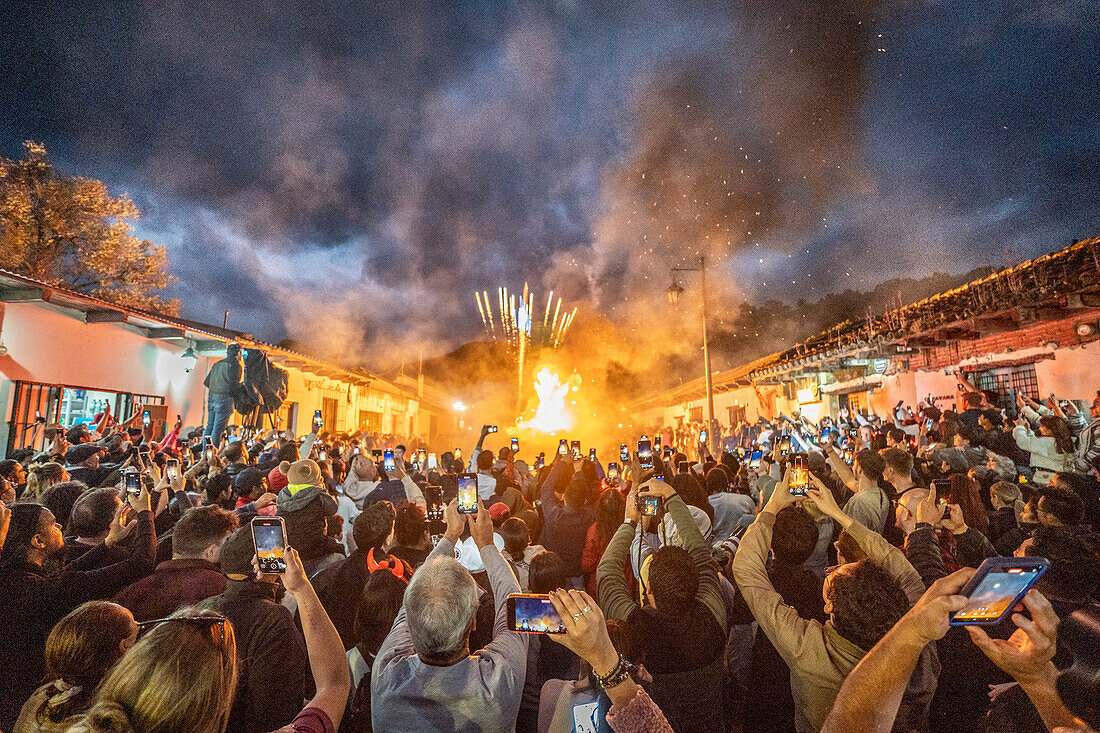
(70, 231)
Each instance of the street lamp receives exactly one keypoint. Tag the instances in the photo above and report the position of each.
(673, 292)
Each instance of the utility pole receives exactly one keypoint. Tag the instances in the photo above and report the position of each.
(673, 297)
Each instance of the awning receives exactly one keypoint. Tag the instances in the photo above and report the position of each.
(859, 384)
(999, 361)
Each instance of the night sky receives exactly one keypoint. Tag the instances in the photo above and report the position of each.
(352, 174)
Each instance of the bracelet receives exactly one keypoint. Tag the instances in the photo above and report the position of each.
(616, 676)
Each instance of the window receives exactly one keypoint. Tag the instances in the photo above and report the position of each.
(1007, 382)
(736, 414)
(370, 421)
(36, 405)
(696, 414)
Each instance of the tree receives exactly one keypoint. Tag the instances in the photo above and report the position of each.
(70, 231)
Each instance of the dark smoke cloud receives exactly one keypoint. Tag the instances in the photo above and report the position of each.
(348, 173)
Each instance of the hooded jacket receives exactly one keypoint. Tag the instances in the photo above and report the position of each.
(305, 510)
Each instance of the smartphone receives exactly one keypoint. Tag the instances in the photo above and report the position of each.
(849, 456)
(784, 445)
(207, 441)
(755, 458)
(435, 513)
(492, 428)
(540, 461)
(575, 446)
(376, 454)
(533, 613)
(515, 445)
(624, 454)
(591, 454)
(702, 436)
(133, 482)
(613, 470)
(928, 424)
(433, 462)
(318, 421)
(145, 418)
(649, 505)
(172, 468)
(656, 443)
(563, 447)
(943, 490)
(683, 466)
(388, 462)
(467, 493)
(800, 478)
(356, 451)
(996, 588)
(458, 454)
(645, 454)
(824, 435)
(421, 456)
(269, 536)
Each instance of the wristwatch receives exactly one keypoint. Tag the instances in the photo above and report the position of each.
(632, 522)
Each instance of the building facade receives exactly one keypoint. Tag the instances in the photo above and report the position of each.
(64, 355)
(1031, 329)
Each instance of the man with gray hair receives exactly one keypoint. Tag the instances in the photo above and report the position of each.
(424, 677)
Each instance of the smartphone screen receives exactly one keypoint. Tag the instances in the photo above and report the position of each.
(591, 454)
(624, 454)
(943, 489)
(433, 462)
(515, 444)
(563, 447)
(650, 505)
(534, 614)
(613, 470)
(269, 536)
(800, 478)
(754, 459)
(702, 436)
(172, 468)
(784, 445)
(657, 443)
(133, 482)
(993, 594)
(467, 493)
(145, 418)
(458, 454)
(645, 454)
(318, 421)
(575, 446)
(388, 462)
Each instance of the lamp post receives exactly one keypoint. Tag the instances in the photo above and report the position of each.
(674, 291)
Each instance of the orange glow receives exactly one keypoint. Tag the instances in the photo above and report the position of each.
(550, 415)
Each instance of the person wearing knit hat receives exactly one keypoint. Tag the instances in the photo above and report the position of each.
(306, 507)
(269, 645)
(499, 513)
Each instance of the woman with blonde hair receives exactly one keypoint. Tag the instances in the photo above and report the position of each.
(41, 476)
(181, 676)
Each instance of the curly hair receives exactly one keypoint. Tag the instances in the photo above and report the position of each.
(1059, 430)
(673, 579)
(866, 603)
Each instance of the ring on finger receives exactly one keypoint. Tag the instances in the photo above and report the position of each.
(576, 616)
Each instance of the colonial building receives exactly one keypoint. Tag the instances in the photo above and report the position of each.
(1032, 329)
(63, 355)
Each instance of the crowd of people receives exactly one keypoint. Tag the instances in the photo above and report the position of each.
(696, 592)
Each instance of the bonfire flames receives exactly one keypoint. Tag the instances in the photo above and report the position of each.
(550, 413)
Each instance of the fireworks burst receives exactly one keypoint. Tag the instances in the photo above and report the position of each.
(518, 319)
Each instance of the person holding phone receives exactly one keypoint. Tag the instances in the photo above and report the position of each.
(33, 597)
(306, 506)
(424, 677)
(684, 630)
(863, 601)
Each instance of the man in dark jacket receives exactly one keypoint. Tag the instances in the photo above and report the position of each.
(566, 519)
(222, 381)
(340, 586)
(191, 575)
(82, 463)
(272, 667)
(31, 601)
(306, 507)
